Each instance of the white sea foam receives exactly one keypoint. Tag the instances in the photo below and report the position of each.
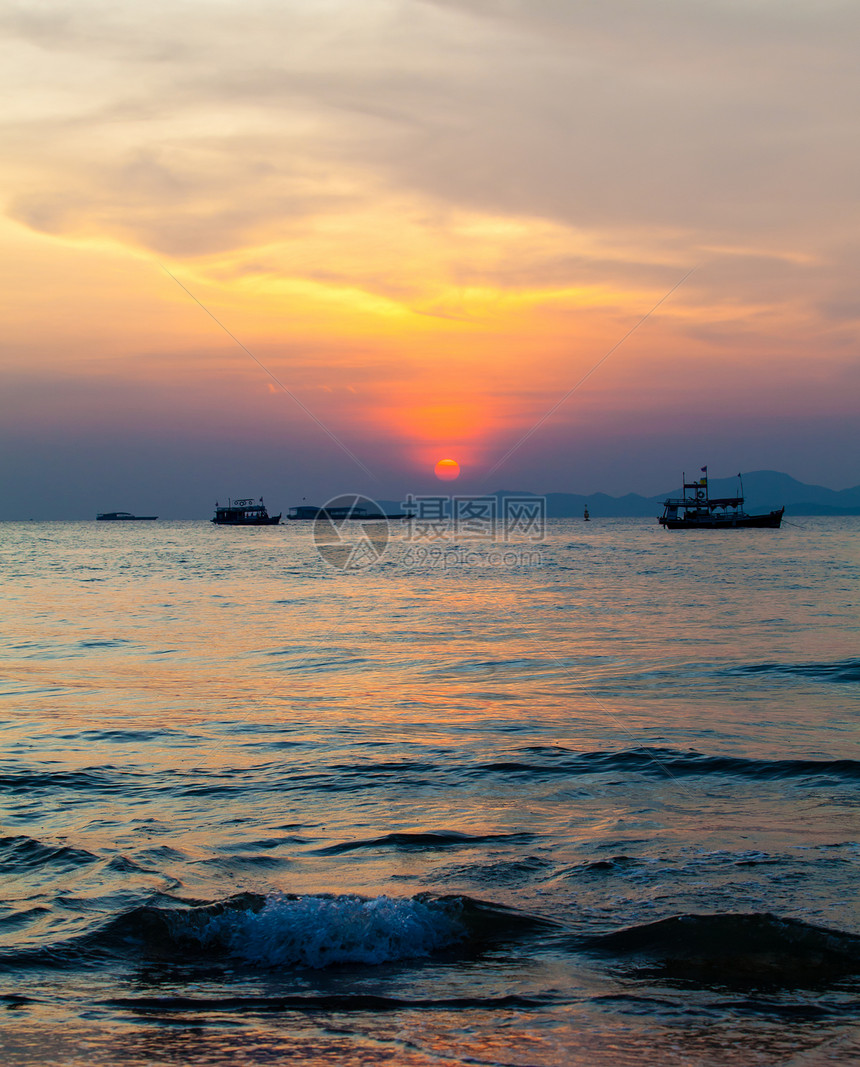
(318, 931)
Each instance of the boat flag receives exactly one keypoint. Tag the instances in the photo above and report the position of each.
(704, 481)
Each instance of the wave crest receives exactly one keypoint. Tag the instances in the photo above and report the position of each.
(316, 931)
(319, 931)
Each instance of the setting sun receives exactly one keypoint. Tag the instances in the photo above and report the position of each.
(447, 470)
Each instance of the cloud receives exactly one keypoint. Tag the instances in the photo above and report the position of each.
(452, 194)
(717, 120)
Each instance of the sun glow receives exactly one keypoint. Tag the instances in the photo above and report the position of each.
(446, 470)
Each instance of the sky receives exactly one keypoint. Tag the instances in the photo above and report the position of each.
(307, 247)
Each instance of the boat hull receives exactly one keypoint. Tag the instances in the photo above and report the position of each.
(323, 514)
(311, 513)
(770, 521)
(269, 520)
(126, 518)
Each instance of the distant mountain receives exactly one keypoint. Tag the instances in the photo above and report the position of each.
(763, 491)
(772, 489)
(572, 505)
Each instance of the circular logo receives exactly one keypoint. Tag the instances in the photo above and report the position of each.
(351, 532)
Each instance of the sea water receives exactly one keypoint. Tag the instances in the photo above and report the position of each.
(589, 801)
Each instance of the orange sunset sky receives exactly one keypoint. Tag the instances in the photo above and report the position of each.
(428, 220)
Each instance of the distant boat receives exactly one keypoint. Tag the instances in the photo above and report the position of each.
(697, 510)
(586, 517)
(244, 513)
(124, 516)
(310, 512)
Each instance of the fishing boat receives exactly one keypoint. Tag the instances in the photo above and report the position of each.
(244, 513)
(697, 510)
(123, 516)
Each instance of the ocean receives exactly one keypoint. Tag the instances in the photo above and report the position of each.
(592, 800)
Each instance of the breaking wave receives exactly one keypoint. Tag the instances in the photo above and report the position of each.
(290, 930)
(318, 931)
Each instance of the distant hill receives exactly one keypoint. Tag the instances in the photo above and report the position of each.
(763, 491)
(772, 489)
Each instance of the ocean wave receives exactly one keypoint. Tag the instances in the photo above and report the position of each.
(519, 665)
(89, 779)
(330, 1002)
(22, 852)
(734, 950)
(127, 736)
(319, 931)
(291, 930)
(667, 762)
(847, 670)
(511, 873)
(419, 842)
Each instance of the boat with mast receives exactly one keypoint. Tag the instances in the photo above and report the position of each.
(244, 513)
(696, 509)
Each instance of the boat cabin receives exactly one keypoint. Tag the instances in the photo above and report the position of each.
(245, 512)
